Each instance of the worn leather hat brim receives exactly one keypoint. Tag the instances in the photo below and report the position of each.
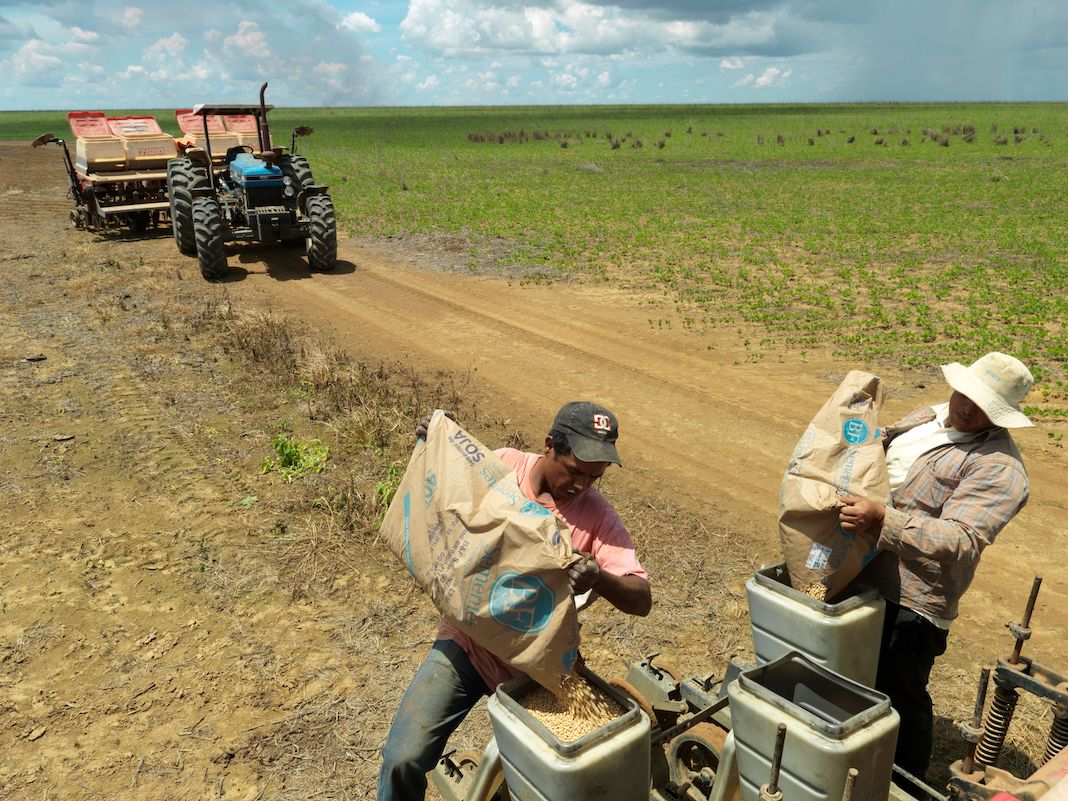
(1000, 412)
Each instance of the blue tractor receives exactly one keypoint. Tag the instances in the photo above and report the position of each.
(244, 189)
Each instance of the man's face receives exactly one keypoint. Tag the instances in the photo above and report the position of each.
(568, 477)
(966, 416)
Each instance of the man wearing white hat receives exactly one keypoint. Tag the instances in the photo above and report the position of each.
(956, 479)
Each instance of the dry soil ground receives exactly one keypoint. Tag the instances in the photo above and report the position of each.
(174, 624)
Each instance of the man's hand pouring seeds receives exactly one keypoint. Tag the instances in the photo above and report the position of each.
(584, 573)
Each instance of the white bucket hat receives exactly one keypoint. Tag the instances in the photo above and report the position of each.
(996, 383)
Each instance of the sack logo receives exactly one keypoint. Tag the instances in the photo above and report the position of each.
(466, 447)
(568, 660)
(602, 424)
(523, 603)
(535, 509)
(854, 430)
(430, 485)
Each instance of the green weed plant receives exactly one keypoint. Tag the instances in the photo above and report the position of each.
(386, 488)
(295, 458)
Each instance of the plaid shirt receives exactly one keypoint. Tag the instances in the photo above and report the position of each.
(952, 504)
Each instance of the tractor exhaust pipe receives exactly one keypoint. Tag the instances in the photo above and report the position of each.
(265, 145)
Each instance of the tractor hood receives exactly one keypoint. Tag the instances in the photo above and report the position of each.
(247, 169)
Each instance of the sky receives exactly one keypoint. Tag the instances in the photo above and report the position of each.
(88, 54)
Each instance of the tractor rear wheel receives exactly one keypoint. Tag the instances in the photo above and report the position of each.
(210, 239)
(183, 176)
(296, 167)
(322, 238)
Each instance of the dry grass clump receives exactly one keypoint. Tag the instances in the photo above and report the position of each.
(581, 709)
(266, 338)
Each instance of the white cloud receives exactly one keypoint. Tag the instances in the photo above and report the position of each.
(731, 63)
(35, 63)
(431, 82)
(358, 22)
(565, 80)
(332, 69)
(248, 41)
(131, 18)
(173, 44)
(554, 27)
(81, 35)
(467, 26)
(201, 71)
(773, 76)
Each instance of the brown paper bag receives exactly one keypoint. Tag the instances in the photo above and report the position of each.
(840, 453)
(492, 561)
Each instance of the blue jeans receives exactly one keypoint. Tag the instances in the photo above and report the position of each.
(444, 690)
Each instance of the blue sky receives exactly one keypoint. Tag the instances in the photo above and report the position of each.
(67, 54)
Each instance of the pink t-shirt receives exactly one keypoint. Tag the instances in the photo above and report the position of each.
(595, 528)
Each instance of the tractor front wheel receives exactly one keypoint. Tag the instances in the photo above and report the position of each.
(209, 232)
(322, 238)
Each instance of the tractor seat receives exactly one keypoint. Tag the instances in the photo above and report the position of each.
(232, 152)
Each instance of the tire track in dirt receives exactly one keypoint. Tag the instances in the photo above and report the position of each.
(110, 642)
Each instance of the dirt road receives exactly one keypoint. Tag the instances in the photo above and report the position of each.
(703, 422)
(142, 656)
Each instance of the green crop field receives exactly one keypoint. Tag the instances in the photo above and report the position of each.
(904, 234)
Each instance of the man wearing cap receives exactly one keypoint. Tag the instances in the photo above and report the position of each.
(956, 479)
(457, 673)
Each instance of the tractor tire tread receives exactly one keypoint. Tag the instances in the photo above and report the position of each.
(183, 176)
(210, 238)
(322, 237)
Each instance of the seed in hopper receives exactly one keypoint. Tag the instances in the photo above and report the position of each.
(580, 709)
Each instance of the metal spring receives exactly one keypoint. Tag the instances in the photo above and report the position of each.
(1058, 737)
(997, 725)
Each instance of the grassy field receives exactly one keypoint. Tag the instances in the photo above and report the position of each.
(903, 234)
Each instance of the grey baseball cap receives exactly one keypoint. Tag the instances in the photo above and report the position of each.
(591, 431)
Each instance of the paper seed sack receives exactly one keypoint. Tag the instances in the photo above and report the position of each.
(492, 561)
(840, 453)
